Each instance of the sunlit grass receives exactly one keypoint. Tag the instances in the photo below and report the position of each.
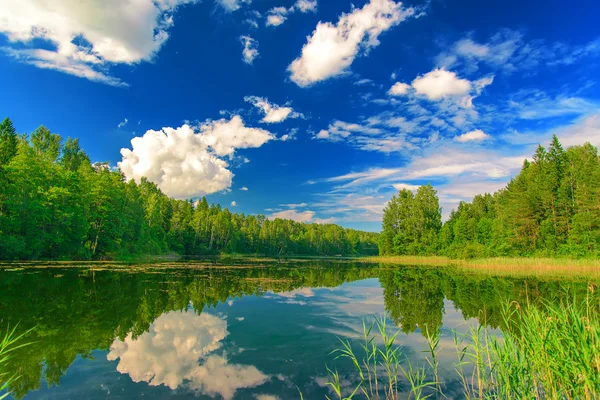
(534, 267)
(520, 266)
(435, 261)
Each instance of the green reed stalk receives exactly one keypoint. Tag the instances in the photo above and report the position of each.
(381, 364)
(8, 344)
(548, 351)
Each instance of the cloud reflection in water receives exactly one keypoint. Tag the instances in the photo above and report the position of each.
(175, 352)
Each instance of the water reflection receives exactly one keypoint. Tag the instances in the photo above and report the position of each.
(173, 331)
(175, 351)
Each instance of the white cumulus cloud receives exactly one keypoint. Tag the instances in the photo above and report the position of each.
(440, 83)
(398, 89)
(306, 5)
(473, 136)
(127, 31)
(278, 15)
(331, 49)
(178, 161)
(122, 123)
(224, 136)
(273, 112)
(186, 163)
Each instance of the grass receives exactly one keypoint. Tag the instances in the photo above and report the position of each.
(517, 266)
(550, 351)
(8, 344)
(434, 261)
(380, 368)
(534, 266)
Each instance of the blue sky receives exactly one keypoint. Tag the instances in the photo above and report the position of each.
(313, 110)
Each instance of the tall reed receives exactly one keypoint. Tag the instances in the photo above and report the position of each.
(8, 344)
(547, 351)
(381, 368)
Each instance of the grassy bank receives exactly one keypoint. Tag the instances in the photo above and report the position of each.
(503, 266)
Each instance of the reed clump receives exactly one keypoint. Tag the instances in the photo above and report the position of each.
(8, 344)
(547, 351)
(381, 367)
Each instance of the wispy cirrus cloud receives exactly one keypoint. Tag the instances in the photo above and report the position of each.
(249, 49)
(508, 51)
(307, 216)
(457, 171)
(278, 15)
(230, 6)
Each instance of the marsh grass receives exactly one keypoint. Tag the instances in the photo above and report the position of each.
(381, 368)
(502, 266)
(434, 261)
(8, 344)
(547, 351)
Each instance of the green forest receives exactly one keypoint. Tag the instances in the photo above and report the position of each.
(56, 204)
(550, 209)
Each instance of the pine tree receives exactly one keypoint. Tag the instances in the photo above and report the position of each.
(8, 142)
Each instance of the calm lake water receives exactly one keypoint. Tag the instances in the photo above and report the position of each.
(237, 331)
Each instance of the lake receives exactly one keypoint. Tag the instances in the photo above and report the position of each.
(236, 330)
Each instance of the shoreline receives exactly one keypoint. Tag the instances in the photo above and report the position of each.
(500, 266)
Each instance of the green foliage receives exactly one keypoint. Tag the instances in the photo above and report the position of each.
(55, 204)
(8, 141)
(550, 209)
(411, 223)
(73, 156)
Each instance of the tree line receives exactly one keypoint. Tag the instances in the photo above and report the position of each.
(551, 208)
(56, 204)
